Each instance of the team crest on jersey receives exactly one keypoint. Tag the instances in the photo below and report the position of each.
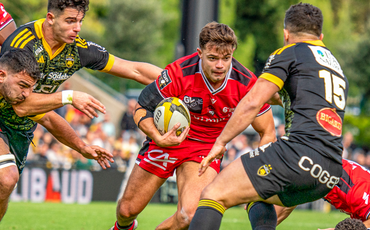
(264, 170)
(164, 79)
(70, 61)
(330, 121)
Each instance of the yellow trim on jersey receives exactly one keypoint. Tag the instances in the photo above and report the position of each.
(285, 47)
(109, 65)
(316, 43)
(38, 27)
(18, 36)
(37, 117)
(22, 39)
(272, 78)
(81, 42)
(25, 42)
(212, 204)
(40, 35)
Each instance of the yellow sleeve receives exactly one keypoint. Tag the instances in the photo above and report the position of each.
(272, 78)
(37, 117)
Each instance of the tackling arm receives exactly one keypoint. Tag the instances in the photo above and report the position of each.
(243, 116)
(64, 133)
(141, 72)
(6, 31)
(37, 103)
(265, 127)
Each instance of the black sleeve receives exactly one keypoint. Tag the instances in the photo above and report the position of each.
(150, 97)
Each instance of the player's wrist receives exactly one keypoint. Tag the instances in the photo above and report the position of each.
(67, 97)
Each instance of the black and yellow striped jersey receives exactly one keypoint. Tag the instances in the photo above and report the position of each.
(57, 67)
(314, 92)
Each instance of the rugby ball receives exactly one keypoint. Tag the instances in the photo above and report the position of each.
(168, 113)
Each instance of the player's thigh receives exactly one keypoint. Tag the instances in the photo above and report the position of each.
(8, 170)
(190, 185)
(232, 186)
(140, 188)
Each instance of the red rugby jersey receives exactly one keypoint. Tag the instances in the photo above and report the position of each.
(5, 17)
(210, 108)
(351, 194)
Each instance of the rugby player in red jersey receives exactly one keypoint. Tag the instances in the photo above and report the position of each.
(306, 163)
(350, 195)
(7, 24)
(211, 83)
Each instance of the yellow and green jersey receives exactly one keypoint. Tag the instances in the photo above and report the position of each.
(55, 67)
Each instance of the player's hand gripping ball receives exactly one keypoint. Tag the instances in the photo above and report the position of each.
(169, 112)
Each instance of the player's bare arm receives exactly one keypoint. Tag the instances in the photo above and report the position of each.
(64, 133)
(265, 127)
(6, 31)
(142, 72)
(42, 103)
(147, 126)
(243, 116)
(275, 100)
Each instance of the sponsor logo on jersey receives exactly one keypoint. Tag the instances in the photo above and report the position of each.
(316, 171)
(164, 79)
(39, 50)
(70, 61)
(195, 104)
(264, 170)
(100, 48)
(330, 121)
(268, 63)
(325, 58)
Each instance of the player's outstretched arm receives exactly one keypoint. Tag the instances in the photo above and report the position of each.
(243, 116)
(265, 127)
(38, 103)
(64, 133)
(141, 72)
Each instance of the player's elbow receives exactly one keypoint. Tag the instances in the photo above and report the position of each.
(20, 111)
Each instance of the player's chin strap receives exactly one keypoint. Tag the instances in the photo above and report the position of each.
(7, 160)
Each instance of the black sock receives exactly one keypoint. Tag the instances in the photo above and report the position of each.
(208, 216)
(262, 216)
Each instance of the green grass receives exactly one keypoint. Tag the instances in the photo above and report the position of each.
(101, 216)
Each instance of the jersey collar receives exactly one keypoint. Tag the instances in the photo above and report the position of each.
(315, 43)
(40, 35)
(209, 86)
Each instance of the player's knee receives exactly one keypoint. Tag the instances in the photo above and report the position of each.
(8, 181)
(126, 212)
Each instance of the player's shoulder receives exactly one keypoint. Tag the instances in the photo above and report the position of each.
(241, 74)
(185, 66)
(23, 36)
(84, 44)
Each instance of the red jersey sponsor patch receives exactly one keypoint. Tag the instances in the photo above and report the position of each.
(330, 121)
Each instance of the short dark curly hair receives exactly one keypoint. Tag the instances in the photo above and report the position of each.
(350, 224)
(304, 18)
(60, 5)
(20, 61)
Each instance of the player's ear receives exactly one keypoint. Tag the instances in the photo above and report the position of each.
(199, 52)
(321, 36)
(50, 17)
(286, 34)
(2, 76)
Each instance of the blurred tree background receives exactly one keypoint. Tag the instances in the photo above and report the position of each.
(147, 30)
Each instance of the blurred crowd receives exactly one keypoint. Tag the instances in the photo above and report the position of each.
(123, 141)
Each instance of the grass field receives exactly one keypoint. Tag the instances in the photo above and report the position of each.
(101, 216)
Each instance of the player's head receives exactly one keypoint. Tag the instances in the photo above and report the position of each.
(19, 71)
(217, 43)
(350, 224)
(65, 18)
(304, 19)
